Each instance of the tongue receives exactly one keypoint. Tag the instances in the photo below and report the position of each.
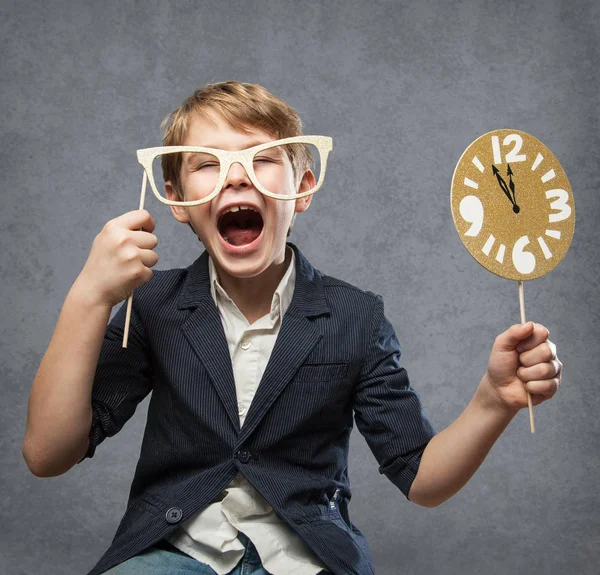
(240, 237)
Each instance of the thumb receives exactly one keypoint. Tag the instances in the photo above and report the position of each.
(509, 340)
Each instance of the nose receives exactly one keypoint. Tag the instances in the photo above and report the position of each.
(237, 177)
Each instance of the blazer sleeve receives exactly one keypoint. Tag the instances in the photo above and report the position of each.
(387, 410)
(123, 378)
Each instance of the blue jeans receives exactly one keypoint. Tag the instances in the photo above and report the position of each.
(165, 559)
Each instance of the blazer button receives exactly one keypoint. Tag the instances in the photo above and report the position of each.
(243, 455)
(174, 515)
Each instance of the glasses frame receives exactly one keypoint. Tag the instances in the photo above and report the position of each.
(228, 157)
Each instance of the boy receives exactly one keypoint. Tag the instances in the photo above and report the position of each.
(234, 476)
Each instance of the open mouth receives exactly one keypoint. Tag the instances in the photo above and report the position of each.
(240, 227)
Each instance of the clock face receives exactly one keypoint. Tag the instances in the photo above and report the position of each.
(512, 205)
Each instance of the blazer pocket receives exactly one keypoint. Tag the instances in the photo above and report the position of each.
(322, 372)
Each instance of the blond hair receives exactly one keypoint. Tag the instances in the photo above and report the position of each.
(243, 106)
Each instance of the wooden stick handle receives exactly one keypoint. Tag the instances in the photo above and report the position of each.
(130, 298)
(529, 400)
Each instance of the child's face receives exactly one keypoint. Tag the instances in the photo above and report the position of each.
(242, 261)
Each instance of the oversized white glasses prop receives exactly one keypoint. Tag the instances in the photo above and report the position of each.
(218, 163)
(513, 208)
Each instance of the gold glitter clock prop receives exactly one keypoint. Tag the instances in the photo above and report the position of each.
(513, 207)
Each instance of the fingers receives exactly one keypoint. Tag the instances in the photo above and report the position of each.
(547, 370)
(535, 361)
(545, 387)
(540, 368)
(542, 379)
(545, 351)
(539, 335)
(149, 258)
(135, 220)
(125, 229)
(144, 240)
(121, 256)
(514, 336)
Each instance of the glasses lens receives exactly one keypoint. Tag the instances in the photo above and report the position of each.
(280, 168)
(199, 173)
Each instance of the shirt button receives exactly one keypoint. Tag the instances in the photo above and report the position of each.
(245, 344)
(174, 514)
(241, 409)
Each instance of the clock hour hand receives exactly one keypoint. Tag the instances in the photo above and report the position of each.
(504, 188)
(511, 184)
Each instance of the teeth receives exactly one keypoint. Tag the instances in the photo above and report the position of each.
(237, 208)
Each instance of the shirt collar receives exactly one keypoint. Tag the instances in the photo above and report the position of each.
(282, 296)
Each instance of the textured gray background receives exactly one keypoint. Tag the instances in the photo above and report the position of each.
(403, 88)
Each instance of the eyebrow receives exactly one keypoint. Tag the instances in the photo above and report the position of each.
(193, 155)
(251, 144)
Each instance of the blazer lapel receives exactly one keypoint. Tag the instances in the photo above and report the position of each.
(297, 337)
(204, 331)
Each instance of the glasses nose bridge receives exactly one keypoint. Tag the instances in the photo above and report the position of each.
(231, 161)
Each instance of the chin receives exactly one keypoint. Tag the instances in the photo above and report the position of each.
(248, 267)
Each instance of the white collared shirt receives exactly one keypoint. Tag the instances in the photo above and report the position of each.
(210, 536)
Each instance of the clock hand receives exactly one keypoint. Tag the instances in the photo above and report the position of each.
(511, 184)
(502, 184)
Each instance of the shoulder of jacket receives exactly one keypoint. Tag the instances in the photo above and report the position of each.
(331, 283)
(161, 285)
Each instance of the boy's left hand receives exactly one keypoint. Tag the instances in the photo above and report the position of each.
(523, 360)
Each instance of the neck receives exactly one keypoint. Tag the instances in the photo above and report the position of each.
(253, 296)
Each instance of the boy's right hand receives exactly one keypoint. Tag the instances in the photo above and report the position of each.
(120, 258)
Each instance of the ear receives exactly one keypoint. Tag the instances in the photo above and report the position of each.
(308, 181)
(179, 212)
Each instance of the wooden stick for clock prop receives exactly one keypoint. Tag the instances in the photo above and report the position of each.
(130, 298)
(529, 399)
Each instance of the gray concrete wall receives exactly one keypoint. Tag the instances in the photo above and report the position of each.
(403, 88)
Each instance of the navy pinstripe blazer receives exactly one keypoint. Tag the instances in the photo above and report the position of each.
(336, 356)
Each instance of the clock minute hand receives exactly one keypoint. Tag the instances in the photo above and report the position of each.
(511, 184)
(502, 184)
